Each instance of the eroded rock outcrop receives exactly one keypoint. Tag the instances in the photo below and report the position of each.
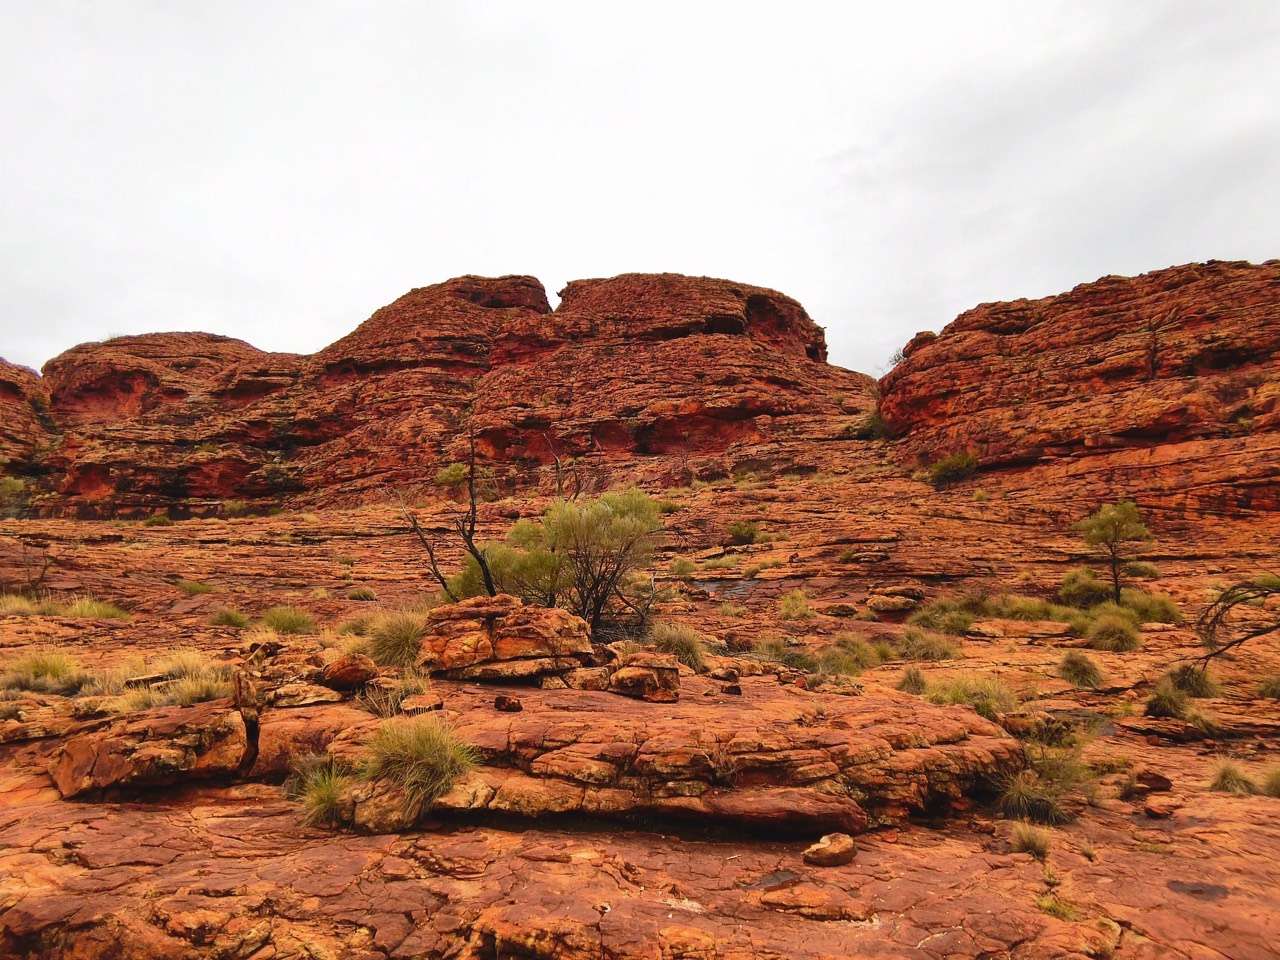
(1185, 359)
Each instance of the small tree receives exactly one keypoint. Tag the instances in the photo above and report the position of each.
(1214, 620)
(581, 555)
(1111, 530)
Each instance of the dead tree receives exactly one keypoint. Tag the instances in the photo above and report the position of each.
(1214, 619)
(463, 526)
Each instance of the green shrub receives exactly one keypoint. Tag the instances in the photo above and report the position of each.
(952, 469)
(1150, 607)
(1228, 777)
(919, 644)
(1141, 570)
(720, 563)
(945, 616)
(320, 782)
(158, 520)
(289, 620)
(859, 653)
(913, 681)
(1114, 633)
(1055, 906)
(1269, 688)
(682, 568)
(226, 617)
(1166, 700)
(421, 755)
(988, 696)
(794, 605)
(44, 671)
(193, 588)
(777, 650)
(1194, 681)
(1081, 588)
(361, 593)
(1080, 671)
(396, 640)
(91, 609)
(453, 475)
(683, 643)
(1027, 838)
(743, 532)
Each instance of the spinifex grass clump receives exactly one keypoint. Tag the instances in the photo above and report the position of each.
(1034, 840)
(1194, 681)
(683, 643)
(1115, 633)
(1055, 779)
(1167, 700)
(44, 671)
(913, 681)
(988, 696)
(1079, 670)
(289, 620)
(421, 755)
(922, 645)
(226, 617)
(1228, 777)
(794, 605)
(396, 640)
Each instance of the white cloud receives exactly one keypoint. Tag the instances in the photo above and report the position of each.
(277, 171)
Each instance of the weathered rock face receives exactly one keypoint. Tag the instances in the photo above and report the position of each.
(1187, 359)
(637, 365)
(152, 748)
(22, 413)
(499, 638)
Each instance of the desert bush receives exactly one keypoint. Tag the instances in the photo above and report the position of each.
(728, 609)
(794, 605)
(44, 671)
(13, 496)
(88, 608)
(952, 469)
(773, 648)
(14, 605)
(682, 568)
(355, 627)
(1114, 633)
(743, 532)
(396, 639)
(1269, 688)
(859, 653)
(236, 508)
(1228, 777)
(226, 617)
(1082, 588)
(720, 563)
(1194, 681)
(452, 475)
(1079, 670)
(944, 615)
(1026, 838)
(1044, 791)
(421, 755)
(1055, 906)
(988, 696)
(1150, 607)
(361, 593)
(1271, 782)
(158, 520)
(913, 681)
(288, 620)
(870, 427)
(919, 644)
(682, 642)
(1141, 570)
(1166, 700)
(193, 588)
(319, 781)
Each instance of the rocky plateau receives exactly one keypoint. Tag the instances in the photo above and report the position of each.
(618, 800)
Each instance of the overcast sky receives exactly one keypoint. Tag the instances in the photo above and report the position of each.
(276, 171)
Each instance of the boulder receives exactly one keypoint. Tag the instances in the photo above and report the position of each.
(349, 672)
(160, 746)
(833, 850)
(647, 676)
(500, 639)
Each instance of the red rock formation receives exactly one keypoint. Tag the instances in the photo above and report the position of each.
(639, 365)
(1186, 358)
(23, 421)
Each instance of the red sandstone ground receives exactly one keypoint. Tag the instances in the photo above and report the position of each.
(600, 825)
